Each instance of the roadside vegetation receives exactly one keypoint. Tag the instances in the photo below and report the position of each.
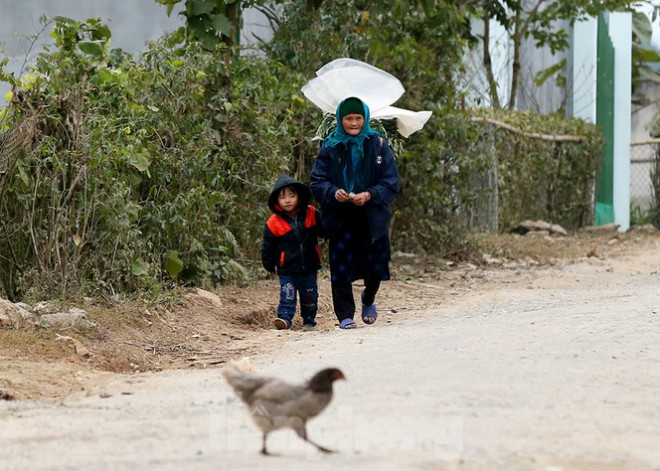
(127, 176)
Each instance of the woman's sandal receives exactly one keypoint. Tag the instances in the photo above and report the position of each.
(347, 324)
(369, 314)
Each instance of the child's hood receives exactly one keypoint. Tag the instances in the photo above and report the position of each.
(304, 193)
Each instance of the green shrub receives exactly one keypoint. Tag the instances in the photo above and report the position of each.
(462, 175)
(138, 174)
(541, 178)
(155, 169)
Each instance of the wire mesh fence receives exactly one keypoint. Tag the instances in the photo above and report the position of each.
(643, 157)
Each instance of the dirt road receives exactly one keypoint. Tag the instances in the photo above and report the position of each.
(555, 369)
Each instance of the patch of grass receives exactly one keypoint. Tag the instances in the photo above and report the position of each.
(543, 250)
(32, 344)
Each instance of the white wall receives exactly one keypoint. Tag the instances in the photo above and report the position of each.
(255, 27)
(475, 78)
(548, 97)
(584, 103)
(621, 33)
(132, 23)
(583, 70)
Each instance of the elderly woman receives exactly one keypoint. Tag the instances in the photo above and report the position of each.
(355, 180)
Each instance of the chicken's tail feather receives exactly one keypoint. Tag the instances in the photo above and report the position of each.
(242, 364)
(239, 374)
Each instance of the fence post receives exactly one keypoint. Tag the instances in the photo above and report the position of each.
(605, 121)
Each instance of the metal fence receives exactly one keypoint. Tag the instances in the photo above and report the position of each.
(643, 156)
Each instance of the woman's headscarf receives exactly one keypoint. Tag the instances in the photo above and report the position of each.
(352, 178)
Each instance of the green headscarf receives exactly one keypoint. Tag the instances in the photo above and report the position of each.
(352, 178)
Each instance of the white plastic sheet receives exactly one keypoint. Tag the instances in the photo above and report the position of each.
(346, 77)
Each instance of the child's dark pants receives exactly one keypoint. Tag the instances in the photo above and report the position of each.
(305, 286)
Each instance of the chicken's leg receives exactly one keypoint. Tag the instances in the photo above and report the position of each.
(302, 433)
(263, 446)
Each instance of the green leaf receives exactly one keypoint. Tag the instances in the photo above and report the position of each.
(140, 161)
(177, 37)
(221, 24)
(66, 21)
(93, 48)
(222, 250)
(102, 32)
(646, 55)
(170, 5)
(648, 75)
(105, 76)
(204, 31)
(173, 264)
(23, 175)
(200, 7)
(545, 74)
(139, 267)
(642, 27)
(200, 24)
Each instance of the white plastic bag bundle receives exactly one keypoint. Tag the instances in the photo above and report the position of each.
(346, 77)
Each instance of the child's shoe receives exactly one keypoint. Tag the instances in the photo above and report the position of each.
(307, 328)
(281, 324)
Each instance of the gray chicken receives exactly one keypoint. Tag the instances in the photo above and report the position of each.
(276, 404)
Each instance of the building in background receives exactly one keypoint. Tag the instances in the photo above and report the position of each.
(579, 97)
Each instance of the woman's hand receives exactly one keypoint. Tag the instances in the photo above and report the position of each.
(341, 195)
(361, 198)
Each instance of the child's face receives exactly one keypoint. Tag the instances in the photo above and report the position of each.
(288, 200)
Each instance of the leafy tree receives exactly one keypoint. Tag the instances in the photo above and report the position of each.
(140, 173)
(420, 42)
(644, 58)
(540, 20)
(136, 174)
(210, 22)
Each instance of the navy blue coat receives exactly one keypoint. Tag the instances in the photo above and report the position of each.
(381, 180)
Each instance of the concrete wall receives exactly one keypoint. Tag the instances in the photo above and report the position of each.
(475, 82)
(548, 97)
(132, 22)
(621, 34)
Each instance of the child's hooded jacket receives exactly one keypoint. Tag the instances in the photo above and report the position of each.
(290, 242)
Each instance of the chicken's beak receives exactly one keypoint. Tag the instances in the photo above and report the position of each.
(338, 375)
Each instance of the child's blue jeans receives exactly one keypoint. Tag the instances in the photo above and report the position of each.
(304, 286)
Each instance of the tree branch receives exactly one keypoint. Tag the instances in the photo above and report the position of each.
(519, 32)
(488, 65)
(533, 135)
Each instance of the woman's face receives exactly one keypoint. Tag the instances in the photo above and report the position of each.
(352, 123)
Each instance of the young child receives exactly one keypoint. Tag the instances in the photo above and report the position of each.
(290, 249)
